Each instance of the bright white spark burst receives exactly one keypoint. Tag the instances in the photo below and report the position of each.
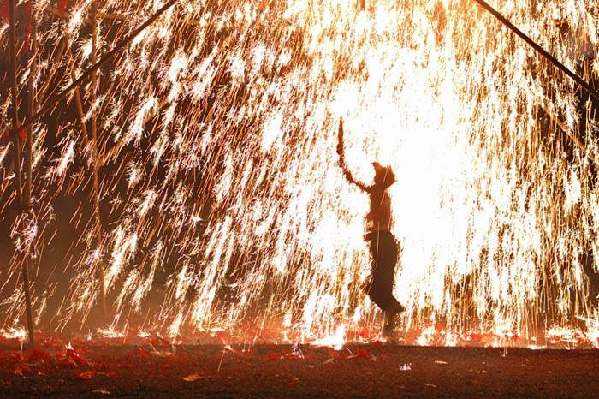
(226, 206)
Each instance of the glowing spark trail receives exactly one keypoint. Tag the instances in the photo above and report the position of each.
(222, 202)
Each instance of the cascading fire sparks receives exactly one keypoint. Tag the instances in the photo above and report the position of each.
(222, 202)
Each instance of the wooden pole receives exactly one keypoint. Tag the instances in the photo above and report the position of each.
(31, 109)
(96, 158)
(77, 90)
(575, 77)
(31, 106)
(78, 103)
(12, 53)
(16, 127)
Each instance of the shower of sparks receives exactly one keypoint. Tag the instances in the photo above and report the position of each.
(222, 202)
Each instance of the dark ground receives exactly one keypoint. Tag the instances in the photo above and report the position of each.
(269, 371)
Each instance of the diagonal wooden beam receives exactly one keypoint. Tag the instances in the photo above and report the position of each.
(581, 82)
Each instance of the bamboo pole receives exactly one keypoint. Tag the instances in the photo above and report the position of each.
(31, 106)
(14, 94)
(79, 104)
(76, 92)
(31, 109)
(17, 128)
(96, 158)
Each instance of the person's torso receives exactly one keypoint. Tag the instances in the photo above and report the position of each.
(379, 218)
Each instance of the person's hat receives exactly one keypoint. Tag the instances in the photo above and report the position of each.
(384, 174)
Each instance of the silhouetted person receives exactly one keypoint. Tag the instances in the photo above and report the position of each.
(383, 246)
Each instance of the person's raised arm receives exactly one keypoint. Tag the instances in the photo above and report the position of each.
(346, 172)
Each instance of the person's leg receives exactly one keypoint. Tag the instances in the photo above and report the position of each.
(383, 271)
(380, 284)
(383, 275)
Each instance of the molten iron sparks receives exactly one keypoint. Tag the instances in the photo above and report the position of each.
(224, 206)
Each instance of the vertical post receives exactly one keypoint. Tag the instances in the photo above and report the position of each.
(31, 110)
(12, 54)
(31, 104)
(77, 89)
(16, 128)
(96, 157)
(78, 102)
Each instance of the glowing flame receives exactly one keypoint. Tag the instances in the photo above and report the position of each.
(335, 341)
(14, 333)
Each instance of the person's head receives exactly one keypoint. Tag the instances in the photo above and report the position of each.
(383, 175)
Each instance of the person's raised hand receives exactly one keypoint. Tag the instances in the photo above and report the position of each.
(340, 138)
